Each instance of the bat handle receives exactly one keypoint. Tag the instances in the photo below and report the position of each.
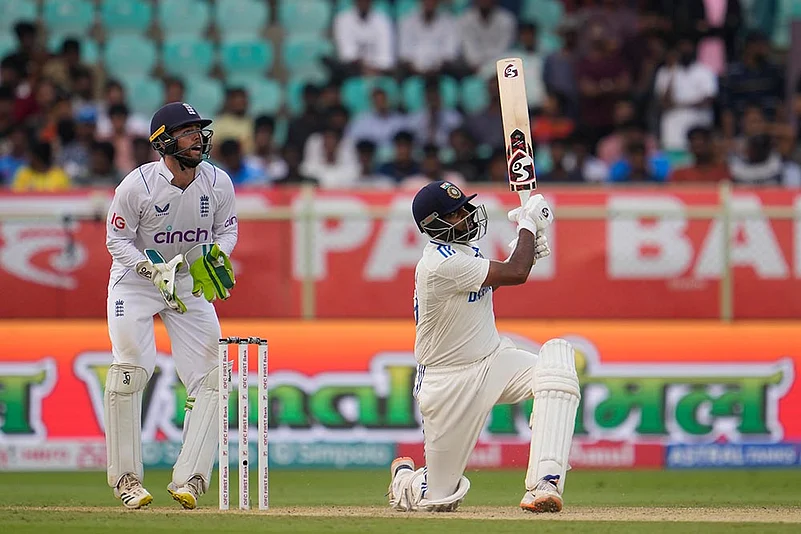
(524, 196)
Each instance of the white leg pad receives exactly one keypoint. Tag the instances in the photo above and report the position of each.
(122, 414)
(553, 417)
(199, 449)
(409, 488)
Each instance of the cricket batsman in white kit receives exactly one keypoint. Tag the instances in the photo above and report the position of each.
(170, 230)
(465, 367)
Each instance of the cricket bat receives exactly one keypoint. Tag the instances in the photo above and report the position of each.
(516, 127)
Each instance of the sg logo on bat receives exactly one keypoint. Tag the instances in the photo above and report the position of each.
(510, 71)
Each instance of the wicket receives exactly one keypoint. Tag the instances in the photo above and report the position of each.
(225, 367)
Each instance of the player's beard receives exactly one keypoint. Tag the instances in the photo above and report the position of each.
(190, 159)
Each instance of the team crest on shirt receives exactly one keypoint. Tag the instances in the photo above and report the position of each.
(204, 205)
(160, 212)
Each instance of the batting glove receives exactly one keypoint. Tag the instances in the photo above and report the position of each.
(162, 274)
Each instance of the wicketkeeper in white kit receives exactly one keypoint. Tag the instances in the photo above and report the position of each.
(170, 230)
(465, 367)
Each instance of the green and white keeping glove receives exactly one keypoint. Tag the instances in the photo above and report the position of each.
(162, 274)
(211, 270)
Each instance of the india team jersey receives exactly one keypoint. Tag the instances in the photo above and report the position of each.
(454, 315)
(149, 212)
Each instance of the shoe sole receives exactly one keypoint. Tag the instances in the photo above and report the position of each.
(187, 501)
(543, 505)
(142, 504)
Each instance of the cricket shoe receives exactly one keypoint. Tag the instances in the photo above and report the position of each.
(189, 493)
(398, 464)
(544, 497)
(131, 492)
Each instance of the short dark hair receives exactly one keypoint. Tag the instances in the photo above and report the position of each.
(174, 80)
(430, 149)
(71, 44)
(105, 148)
(365, 145)
(118, 109)
(43, 151)
(230, 147)
(404, 136)
(24, 28)
(6, 93)
(704, 131)
(264, 121)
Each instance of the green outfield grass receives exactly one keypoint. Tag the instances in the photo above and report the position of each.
(353, 501)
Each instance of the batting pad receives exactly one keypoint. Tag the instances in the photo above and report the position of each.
(199, 450)
(553, 417)
(122, 413)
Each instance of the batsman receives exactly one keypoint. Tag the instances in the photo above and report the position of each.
(170, 230)
(465, 367)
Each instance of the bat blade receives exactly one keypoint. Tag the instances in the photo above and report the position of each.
(516, 127)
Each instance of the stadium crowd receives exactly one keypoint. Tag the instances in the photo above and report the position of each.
(619, 91)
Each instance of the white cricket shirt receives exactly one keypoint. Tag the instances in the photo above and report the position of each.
(454, 315)
(149, 212)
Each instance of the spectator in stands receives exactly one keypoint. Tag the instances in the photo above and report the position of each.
(234, 121)
(120, 136)
(497, 169)
(174, 90)
(12, 75)
(752, 123)
(464, 159)
(143, 151)
(265, 156)
(379, 125)
(527, 50)
(292, 155)
(13, 154)
(431, 168)
(53, 105)
(763, 165)
(102, 171)
(707, 165)
(487, 31)
(603, 79)
(63, 67)
(114, 95)
(686, 89)
(592, 169)
(796, 106)
(307, 123)
(611, 148)
(77, 137)
(334, 164)
(617, 21)
(242, 173)
(7, 120)
(403, 163)
(433, 123)
(722, 22)
(428, 40)
(563, 166)
(40, 174)
(368, 171)
(752, 80)
(330, 96)
(82, 87)
(559, 69)
(636, 166)
(27, 45)
(486, 125)
(551, 123)
(364, 39)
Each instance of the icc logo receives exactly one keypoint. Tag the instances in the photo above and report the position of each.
(510, 71)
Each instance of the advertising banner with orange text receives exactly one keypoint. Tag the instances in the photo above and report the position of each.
(648, 389)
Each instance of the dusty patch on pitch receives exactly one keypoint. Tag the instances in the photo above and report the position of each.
(580, 513)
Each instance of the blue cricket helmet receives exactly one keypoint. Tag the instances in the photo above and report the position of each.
(440, 198)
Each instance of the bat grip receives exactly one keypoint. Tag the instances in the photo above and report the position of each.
(524, 196)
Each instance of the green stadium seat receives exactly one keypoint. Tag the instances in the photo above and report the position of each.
(61, 16)
(241, 18)
(294, 89)
(126, 16)
(265, 95)
(147, 94)
(281, 131)
(90, 51)
(460, 6)
(356, 92)
(129, 55)
(204, 94)
(474, 95)
(380, 5)
(301, 52)
(308, 16)
(549, 42)
(183, 17)
(413, 91)
(246, 55)
(14, 11)
(546, 13)
(404, 7)
(186, 54)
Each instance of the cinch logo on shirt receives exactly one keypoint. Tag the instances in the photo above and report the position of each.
(198, 235)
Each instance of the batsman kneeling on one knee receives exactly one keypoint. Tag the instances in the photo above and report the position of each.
(465, 367)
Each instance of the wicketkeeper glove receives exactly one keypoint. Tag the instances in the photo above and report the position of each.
(162, 274)
(211, 270)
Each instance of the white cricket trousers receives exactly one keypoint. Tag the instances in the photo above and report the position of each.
(455, 403)
(194, 335)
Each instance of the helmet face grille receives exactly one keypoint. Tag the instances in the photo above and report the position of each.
(473, 226)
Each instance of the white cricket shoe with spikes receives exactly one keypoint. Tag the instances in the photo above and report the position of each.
(544, 497)
(189, 493)
(131, 492)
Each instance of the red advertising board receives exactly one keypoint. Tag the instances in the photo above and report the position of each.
(361, 249)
